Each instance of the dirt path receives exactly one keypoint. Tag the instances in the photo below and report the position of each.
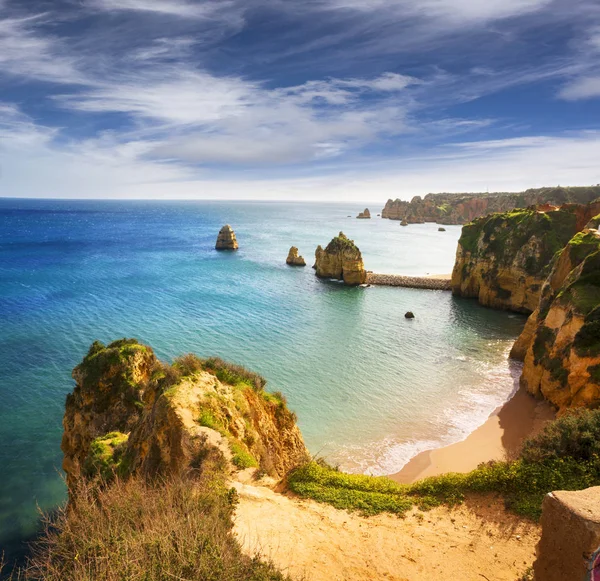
(315, 542)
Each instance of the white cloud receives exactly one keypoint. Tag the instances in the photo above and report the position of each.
(453, 11)
(26, 52)
(582, 88)
(180, 8)
(34, 165)
(230, 120)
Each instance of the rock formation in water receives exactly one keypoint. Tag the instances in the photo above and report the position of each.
(130, 413)
(560, 344)
(364, 214)
(226, 239)
(404, 222)
(294, 259)
(503, 259)
(463, 208)
(341, 260)
(441, 229)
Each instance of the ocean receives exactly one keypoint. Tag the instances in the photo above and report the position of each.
(370, 388)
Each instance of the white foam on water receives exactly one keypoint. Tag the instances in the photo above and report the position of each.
(470, 410)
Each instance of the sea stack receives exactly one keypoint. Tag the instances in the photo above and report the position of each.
(404, 222)
(441, 229)
(294, 259)
(226, 239)
(341, 260)
(365, 214)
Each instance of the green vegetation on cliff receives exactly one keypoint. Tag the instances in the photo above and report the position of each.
(565, 456)
(504, 235)
(340, 243)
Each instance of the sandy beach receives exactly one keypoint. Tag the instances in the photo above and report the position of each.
(500, 437)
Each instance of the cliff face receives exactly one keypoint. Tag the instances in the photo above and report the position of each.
(504, 259)
(341, 260)
(130, 413)
(561, 342)
(463, 208)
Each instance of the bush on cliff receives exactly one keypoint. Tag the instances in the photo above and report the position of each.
(565, 456)
(178, 528)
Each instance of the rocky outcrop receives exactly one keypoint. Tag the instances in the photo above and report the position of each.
(130, 413)
(463, 208)
(341, 260)
(226, 239)
(570, 535)
(364, 214)
(294, 259)
(110, 386)
(404, 222)
(504, 259)
(560, 344)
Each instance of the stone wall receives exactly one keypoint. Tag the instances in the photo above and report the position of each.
(409, 281)
(570, 535)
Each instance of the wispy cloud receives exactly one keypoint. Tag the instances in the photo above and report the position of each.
(454, 11)
(180, 8)
(26, 51)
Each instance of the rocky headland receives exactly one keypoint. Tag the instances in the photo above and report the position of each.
(294, 259)
(503, 259)
(133, 414)
(341, 260)
(226, 239)
(463, 208)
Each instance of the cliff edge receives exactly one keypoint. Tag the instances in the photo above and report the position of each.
(504, 259)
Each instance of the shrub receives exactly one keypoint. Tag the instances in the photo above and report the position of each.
(575, 435)
(233, 374)
(175, 529)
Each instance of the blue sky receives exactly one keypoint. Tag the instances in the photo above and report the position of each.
(305, 100)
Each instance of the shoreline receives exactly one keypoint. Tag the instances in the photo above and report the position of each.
(500, 437)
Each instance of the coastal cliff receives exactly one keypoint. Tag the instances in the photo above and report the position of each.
(504, 259)
(341, 260)
(560, 345)
(463, 208)
(132, 414)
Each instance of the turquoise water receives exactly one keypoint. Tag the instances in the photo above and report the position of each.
(370, 388)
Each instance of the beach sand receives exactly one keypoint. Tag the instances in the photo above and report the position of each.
(499, 438)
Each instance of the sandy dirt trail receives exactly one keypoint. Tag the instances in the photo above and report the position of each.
(476, 541)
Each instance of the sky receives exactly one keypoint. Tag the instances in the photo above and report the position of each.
(359, 100)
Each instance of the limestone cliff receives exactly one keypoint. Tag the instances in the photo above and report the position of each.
(503, 259)
(561, 341)
(341, 260)
(463, 208)
(294, 259)
(130, 413)
(226, 239)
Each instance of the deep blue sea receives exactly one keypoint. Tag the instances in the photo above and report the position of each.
(371, 389)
